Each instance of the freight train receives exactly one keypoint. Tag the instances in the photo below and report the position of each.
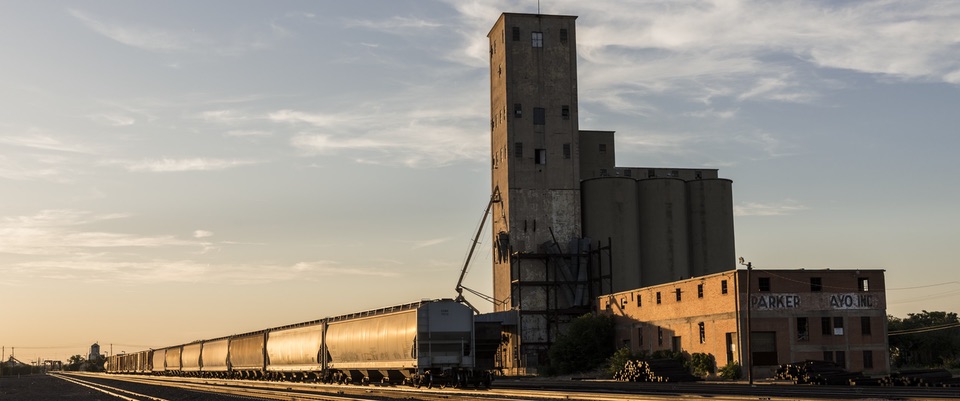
(426, 343)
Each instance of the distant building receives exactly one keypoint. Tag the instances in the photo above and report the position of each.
(795, 315)
(568, 224)
(94, 353)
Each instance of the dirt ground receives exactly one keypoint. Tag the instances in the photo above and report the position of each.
(43, 388)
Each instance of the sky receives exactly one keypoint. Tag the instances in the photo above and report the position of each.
(182, 170)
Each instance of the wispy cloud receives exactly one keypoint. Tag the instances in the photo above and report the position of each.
(98, 268)
(747, 50)
(146, 38)
(421, 135)
(169, 40)
(428, 242)
(57, 230)
(36, 139)
(202, 234)
(181, 165)
(787, 207)
(394, 25)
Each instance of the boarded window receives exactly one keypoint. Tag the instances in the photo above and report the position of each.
(539, 116)
(516, 33)
(865, 326)
(764, 347)
(816, 284)
(565, 112)
(867, 359)
(838, 326)
(825, 327)
(518, 150)
(563, 35)
(764, 284)
(803, 329)
(566, 151)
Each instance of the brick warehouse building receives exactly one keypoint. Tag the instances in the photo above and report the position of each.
(794, 315)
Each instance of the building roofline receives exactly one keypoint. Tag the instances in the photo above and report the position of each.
(504, 14)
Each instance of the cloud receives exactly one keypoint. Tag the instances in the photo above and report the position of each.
(428, 242)
(166, 40)
(784, 208)
(55, 231)
(99, 268)
(744, 50)
(181, 165)
(396, 25)
(140, 37)
(36, 139)
(419, 137)
(202, 234)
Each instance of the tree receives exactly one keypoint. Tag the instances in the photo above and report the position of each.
(586, 345)
(74, 362)
(927, 339)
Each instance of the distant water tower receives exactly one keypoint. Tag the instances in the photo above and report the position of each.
(94, 352)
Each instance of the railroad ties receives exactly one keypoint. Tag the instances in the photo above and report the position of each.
(656, 370)
(816, 372)
(829, 373)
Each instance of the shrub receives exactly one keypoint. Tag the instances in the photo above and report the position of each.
(619, 359)
(730, 371)
(702, 364)
(586, 345)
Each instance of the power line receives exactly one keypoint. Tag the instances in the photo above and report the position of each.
(924, 329)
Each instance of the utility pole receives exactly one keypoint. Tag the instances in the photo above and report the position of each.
(748, 355)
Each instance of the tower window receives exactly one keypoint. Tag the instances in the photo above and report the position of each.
(518, 149)
(723, 287)
(816, 284)
(566, 151)
(516, 33)
(565, 112)
(517, 110)
(539, 116)
(603, 148)
(536, 39)
(628, 173)
(703, 333)
(563, 36)
(764, 284)
(658, 297)
(699, 290)
(541, 156)
(678, 294)
(863, 284)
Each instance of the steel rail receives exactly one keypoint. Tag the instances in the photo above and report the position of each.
(104, 389)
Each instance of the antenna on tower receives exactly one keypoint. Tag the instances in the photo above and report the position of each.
(538, 7)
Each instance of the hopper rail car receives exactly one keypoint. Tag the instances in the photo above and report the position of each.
(426, 343)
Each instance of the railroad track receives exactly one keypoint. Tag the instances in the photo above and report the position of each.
(519, 390)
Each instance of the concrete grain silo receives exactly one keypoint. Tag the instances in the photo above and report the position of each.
(712, 247)
(610, 212)
(663, 230)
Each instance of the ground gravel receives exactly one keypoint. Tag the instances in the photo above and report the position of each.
(41, 387)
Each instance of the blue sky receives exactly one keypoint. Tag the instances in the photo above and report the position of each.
(180, 170)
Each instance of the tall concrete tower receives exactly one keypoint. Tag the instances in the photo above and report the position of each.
(535, 166)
